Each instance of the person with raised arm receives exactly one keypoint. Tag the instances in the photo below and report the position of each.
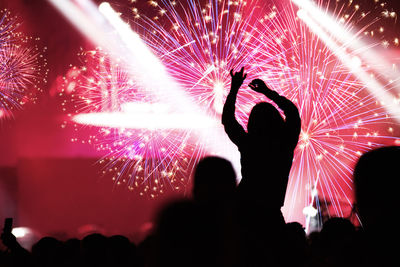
(267, 148)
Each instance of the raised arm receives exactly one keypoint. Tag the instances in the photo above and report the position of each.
(232, 127)
(293, 121)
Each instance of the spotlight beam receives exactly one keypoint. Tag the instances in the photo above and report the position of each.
(89, 26)
(376, 88)
(105, 28)
(349, 39)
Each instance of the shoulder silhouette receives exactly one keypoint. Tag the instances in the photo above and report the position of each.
(267, 147)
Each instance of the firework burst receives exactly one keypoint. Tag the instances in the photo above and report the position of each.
(22, 67)
(199, 44)
(155, 160)
(148, 160)
(340, 118)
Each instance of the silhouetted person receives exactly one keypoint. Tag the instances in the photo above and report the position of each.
(267, 148)
(338, 241)
(214, 180)
(94, 250)
(72, 253)
(17, 255)
(266, 151)
(297, 244)
(48, 251)
(185, 236)
(121, 252)
(376, 178)
(214, 189)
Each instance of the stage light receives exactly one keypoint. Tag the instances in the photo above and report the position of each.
(349, 39)
(310, 211)
(145, 116)
(20, 232)
(353, 64)
(219, 88)
(114, 35)
(82, 21)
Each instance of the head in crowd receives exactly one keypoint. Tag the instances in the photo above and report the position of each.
(265, 120)
(214, 179)
(376, 177)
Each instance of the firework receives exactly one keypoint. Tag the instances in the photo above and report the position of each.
(22, 67)
(199, 43)
(148, 160)
(165, 157)
(340, 118)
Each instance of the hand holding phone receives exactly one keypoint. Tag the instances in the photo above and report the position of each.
(8, 225)
(7, 237)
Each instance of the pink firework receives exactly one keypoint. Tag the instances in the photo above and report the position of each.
(340, 118)
(147, 159)
(199, 43)
(22, 67)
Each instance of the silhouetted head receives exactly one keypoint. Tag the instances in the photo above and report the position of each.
(336, 231)
(214, 179)
(265, 120)
(120, 251)
(376, 177)
(296, 233)
(338, 242)
(185, 227)
(47, 252)
(94, 248)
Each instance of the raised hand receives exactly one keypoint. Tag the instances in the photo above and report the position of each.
(238, 77)
(9, 240)
(259, 86)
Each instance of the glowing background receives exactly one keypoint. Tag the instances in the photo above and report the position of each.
(341, 117)
(199, 42)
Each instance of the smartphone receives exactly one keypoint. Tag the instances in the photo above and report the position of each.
(8, 225)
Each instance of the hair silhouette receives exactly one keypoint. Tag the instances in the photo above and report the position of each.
(376, 177)
(214, 180)
(265, 121)
(267, 148)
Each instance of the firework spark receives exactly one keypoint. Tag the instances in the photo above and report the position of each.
(148, 156)
(340, 118)
(22, 67)
(199, 44)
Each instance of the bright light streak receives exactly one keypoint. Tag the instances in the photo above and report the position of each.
(145, 116)
(148, 71)
(84, 23)
(348, 39)
(145, 63)
(310, 211)
(20, 232)
(356, 62)
(374, 86)
(219, 88)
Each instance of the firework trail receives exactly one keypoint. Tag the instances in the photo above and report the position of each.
(145, 157)
(340, 118)
(199, 43)
(22, 67)
(148, 161)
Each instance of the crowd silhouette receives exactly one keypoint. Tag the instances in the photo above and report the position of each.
(225, 224)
